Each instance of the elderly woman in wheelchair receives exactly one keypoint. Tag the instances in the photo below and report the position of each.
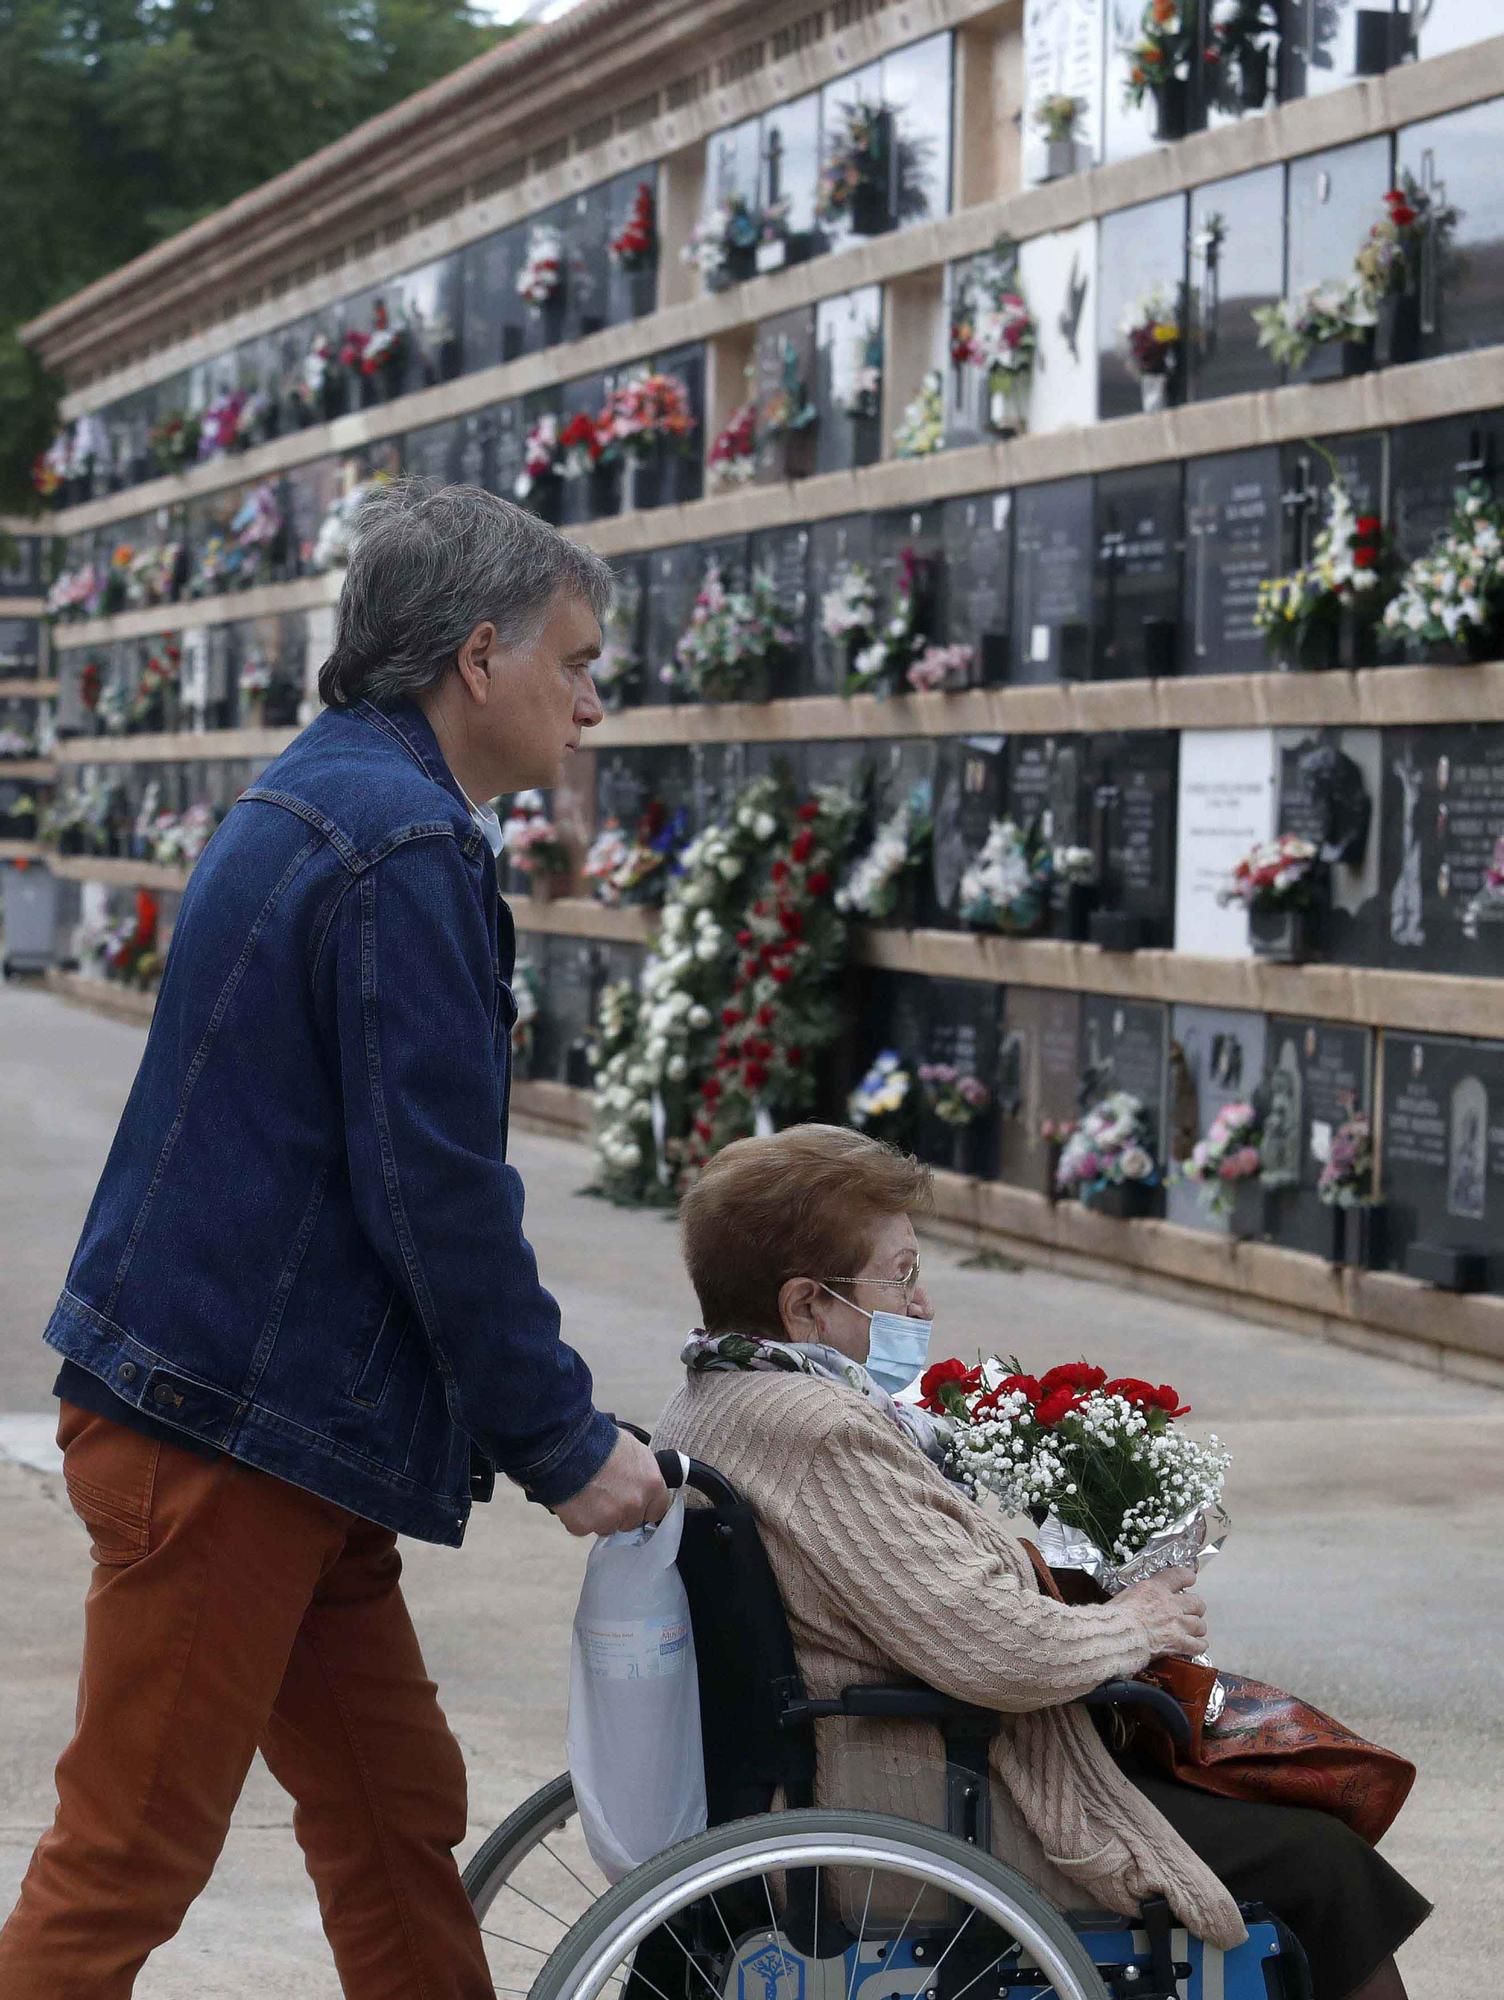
(949, 1748)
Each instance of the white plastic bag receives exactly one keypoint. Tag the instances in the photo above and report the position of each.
(634, 1700)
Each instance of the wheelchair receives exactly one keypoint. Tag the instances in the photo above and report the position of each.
(809, 1903)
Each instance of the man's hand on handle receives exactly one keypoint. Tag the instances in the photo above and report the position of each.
(1173, 1614)
(627, 1491)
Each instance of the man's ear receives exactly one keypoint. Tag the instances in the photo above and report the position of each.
(798, 1304)
(472, 657)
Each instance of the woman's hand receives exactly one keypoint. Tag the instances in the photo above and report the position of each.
(1171, 1612)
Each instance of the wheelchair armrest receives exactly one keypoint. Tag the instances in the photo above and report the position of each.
(1156, 1701)
(907, 1704)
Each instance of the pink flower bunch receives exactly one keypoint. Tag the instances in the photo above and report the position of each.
(942, 669)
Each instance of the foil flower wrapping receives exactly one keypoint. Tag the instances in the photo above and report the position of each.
(1188, 1542)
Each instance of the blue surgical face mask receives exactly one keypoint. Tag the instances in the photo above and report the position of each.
(899, 1347)
(490, 827)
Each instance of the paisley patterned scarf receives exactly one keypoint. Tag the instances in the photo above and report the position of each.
(720, 1353)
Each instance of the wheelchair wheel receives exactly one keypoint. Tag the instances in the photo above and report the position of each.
(711, 1913)
(529, 1882)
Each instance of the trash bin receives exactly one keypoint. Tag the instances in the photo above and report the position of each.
(32, 909)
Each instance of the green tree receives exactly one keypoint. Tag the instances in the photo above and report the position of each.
(126, 120)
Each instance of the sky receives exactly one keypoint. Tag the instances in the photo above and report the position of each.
(508, 11)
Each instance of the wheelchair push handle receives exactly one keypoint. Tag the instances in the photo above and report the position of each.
(675, 1468)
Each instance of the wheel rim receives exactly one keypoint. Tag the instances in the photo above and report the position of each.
(528, 1892)
(601, 1963)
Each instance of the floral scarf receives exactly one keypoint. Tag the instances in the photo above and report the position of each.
(707, 1353)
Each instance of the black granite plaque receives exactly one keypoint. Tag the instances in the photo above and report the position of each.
(789, 143)
(976, 538)
(1328, 43)
(784, 385)
(840, 761)
(1237, 262)
(1133, 801)
(1138, 587)
(1316, 1075)
(970, 775)
(1216, 1059)
(916, 85)
(684, 471)
(782, 554)
(433, 453)
(631, 294)
(492, 315)
(903, 769)
(718, 777)
(1443, 1147)
(1124, 1046)
(1329, 783)
(673, 583)
(1139, 250)
(509, 428)
(20, 645)
(1053, 551)
(1454, 162)
(834, 546)
(588, 495)
(1333, 199)
(1442, 811)
(1428, 463)
(960, 1030)
(1233, 537)
(570, 982)
(544, 326)
(586, 301)
(475, 458)
(20, 565)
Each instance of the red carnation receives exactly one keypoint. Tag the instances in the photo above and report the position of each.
(1364, 557)
(744, 938)
(703, 1128)
(803, 846)
(792, 922)
(793, 1057)
(730, 1016)
(1052, 1408)
(1078, 1375)
(765, 1017)
(779, 871)
(710, 1089)
(809, 810)
(1167, 1399)
(818, 883)
(781, 973)
(755, 1075)
(1028, 1383)
(1369, 524)
(950, 1374)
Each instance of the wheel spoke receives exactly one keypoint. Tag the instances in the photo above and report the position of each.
(589, 1891)
(502, 1938)
(856, 1956)
(777, 1933)
(1006, 1952)
(692, 1961)
(542, 1908)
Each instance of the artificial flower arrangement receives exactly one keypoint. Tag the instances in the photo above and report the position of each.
(150, 704)
(173, 441)
(542, 274)
(580, 446)
(1390, 258)
(336, 532)
(920, 431)
(635, 244)
(873, 882)
(649, 410)
(863, 399)
(1488, 903)
(882, 665)
(872, 172)
(1057, 116)
(655, 1043)
(1151, 332)
(49, 470)
(955, 1096)
(219, 426)
(848, 610)
(1006, 887)
(722, 244)
(532, 843)
(75, 593)
(1300, 614)
(255, 531)
(943, 670)
(1274, 876)
(992, 329)
(1291, 330)
(1241, 34)
(385, 344)
(176, 840)
(882, 1102)
(128, 952)
(254, 675)
(542, 457)
(1227, 1154)
(1118, 1491)
(733, 455)
(789, 409)
(619, 663)
(732, 635)
(17, 743)
(780, 1013)
(1112, 1146)
(1346, 1177)
(1452, 597)
(638, 870)
(317, 378)
(1159, 56)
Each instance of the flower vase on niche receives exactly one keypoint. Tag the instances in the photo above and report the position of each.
(1005, 401)
(1380, 39)
(1154, 392)
(1247, 1218)
(1125, 1201)
(1253, 78)
(1357, 355)
(872, 198)
(1172, 108)
(1288, 935)
(1447, 1268)
(1397, 337)
(1161, 637)
(644, 477)
(1074, 910)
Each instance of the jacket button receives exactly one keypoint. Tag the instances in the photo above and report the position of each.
(164, 1393)
(127, 1371)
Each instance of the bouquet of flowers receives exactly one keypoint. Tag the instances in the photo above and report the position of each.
(173, 441)
(1453, 595)
(1240, 35)
(954, 1095)
(634, 245)
(316, 376)
(620, 662)
(648, 410)
(789, 408)
(256, 529)
(871, 886)
(542, 457)
(176, 840)
(1278, 874)
(75, 593)
(1489, 900)
(219, 427)
(1150, 332)
(881, 1101)
(848, 610)
(1160, 53)
(385, 344)
(881, 667)
(993, 329)
(1292, 329)
(1119, 1491)
(1058, 115)
(336, 532)
(542, 271)
(1007, 886)
(1229, 1153)
(733, 456)
(16, 743)
(159, 679)
(531, 841)
(855, 159)
(1346, 1178)
(579, 446)
(636, 870)
(921, 429)
(732, 229)
(1111, 1147)
(942, 670)
(863, 398)
(730, 635)
(1298, 613)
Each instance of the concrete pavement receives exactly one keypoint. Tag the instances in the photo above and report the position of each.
(1364, 1569)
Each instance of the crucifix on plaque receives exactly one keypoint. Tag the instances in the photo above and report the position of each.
(773, 154)
(1434, 207)
(1206, 250)
(1479, 461)
(1110, 553)
(1299, 503)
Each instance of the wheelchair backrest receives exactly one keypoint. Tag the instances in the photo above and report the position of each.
(744, 1656)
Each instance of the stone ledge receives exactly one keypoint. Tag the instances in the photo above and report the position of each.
(31, 770)
(264, 600)
(577, 916)
(27, 690)
(117, 873)
(120, 1003)
(181, 747)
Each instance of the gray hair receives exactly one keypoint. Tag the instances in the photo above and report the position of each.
(428, 563)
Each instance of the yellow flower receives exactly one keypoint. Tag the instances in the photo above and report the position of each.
(1166, 331)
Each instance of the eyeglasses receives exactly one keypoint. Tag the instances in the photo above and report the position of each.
(906, 1283)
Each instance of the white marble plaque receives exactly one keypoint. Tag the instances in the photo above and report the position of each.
(1058, 274)
(1063, 57)
(1227, 785)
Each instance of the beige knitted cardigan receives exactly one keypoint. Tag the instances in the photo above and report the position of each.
(889, 1573)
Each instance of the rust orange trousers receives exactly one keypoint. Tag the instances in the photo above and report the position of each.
(229, 1612)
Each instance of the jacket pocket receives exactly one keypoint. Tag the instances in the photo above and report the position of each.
(370, 1384)
(110, 1473)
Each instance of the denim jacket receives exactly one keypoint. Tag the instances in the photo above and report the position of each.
(306, 1247)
